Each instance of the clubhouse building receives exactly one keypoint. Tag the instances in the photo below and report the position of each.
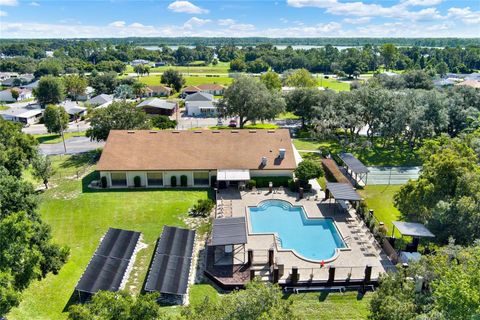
(202, 158)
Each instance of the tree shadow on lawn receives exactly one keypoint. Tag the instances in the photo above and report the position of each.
(79, 160)
(48, 138)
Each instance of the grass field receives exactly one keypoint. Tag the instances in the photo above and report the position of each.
(221, 67)
(379, 198)
(55, 138)
(333, 306)
(370, 155)
(79, 218)
(333, 84)
(154, 80)
(3, 107)
(287, 116)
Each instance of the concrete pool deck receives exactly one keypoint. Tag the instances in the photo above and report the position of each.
(349, 264)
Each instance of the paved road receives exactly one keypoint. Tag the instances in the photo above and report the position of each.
(41, 129)
(74, 145)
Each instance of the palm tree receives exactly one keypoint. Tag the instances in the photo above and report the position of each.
(139, 89)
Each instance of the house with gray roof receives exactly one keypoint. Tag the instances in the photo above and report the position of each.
(25, 115)
(158, 106)
(100, 101)
(200, 104)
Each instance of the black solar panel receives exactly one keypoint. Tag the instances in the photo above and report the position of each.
(118, 243)
(171, 263)
(102, 273)
(107, 267)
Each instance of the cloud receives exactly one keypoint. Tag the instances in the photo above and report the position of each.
(186, 7)
(466, 15)
(226, 22)
(10, 3)
(138, 25)
(117, 24)
(196, 22)
(3, 13)
(283, 20)
(361, 9)
(357, 20)
(34, 4)
(424, 3)
(242, 27)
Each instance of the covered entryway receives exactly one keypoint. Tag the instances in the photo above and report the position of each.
(232, 177)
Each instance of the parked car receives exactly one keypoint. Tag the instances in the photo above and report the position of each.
(232, 123)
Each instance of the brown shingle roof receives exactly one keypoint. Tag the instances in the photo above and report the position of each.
(159, 89)
(211, 86)
(191, 89)
(193, 150)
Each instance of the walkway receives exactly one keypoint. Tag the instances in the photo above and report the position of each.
(316, 188)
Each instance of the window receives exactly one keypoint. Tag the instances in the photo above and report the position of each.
(201, 178)
(119, 179)
(155, 179)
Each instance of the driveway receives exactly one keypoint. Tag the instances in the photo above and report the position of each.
(74, 145)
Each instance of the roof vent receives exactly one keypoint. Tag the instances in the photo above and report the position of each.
(234, 131)
(197, 131)
(216, 131)
(264, 161)
(175, 131)
(271, 131)
(252, 131)
(130, 132)
(153, 131)
(281, 153)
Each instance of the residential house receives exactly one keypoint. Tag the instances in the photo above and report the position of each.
(30, 86)
(140, 61)
(7, 75)
(100, 101)
(88, 94)
(18, 81)
(211, 88)
(74, 110)
(158, 91)
(23, 94)
(165, 158)
(25, 115)
(200, 105)
(158, 106)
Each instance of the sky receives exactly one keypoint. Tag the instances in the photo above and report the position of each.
(239, 18)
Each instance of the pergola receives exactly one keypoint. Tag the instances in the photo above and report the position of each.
(412, 229)
(342, 192)
(355, 168)
(229, 232)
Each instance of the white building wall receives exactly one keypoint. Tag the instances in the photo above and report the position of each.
(167, 177)
(193, 107)
(131, 176)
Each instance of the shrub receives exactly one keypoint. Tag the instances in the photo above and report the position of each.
(203, 208)
(262, 182)
(332, 172)
(137, 181)
(183, 180)
(103, 182)
(308, 169)
(173, 181)
(251, 184)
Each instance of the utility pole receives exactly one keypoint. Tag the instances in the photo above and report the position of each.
(61, 131)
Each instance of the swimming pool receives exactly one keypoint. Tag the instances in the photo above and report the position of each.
(313, 239)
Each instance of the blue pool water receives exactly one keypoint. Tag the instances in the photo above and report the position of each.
(313, 239)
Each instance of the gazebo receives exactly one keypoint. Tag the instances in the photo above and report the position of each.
(355, 168)
(226, 234)
(342, 192)
(414, 230)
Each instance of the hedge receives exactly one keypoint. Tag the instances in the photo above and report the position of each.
(332, 172)
(262, 182)
(183, 180)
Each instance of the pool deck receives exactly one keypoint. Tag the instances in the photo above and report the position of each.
(362, 250)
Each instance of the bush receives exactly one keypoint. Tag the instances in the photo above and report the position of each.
(203, 208)
(137, 181)
(183, 180)
(262, 182)
(308, 169)
(332, 172)
(173, 181)
(251, 184)
(103, 182)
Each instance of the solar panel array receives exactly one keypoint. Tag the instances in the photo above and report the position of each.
(106, 269)
(170, 269)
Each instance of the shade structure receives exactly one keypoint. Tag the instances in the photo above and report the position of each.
(413, 229)
(343, 191)
(353, 163)
(233, 175)
(229, 231)
(170, 268)
(106, 270)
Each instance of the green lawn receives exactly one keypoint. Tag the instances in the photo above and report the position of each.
(332, 306)
(379, 198)
(287, 116)
(79, 218)
(370, 155)
(3, 107)
(333, 84)
(55, 138)
(221, 67)
(154, 80)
